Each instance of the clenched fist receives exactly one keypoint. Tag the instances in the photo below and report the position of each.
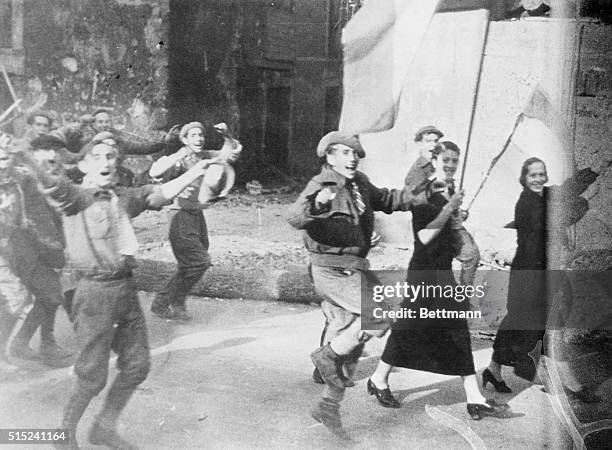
(324, 196)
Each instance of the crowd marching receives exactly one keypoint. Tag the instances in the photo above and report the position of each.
(66, 204)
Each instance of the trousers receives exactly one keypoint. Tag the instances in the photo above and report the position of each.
(189, 241)
(107, 316)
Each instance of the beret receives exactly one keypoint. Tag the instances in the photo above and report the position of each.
(338, 137)
(105, 137)
(185, 129)
(428, 129)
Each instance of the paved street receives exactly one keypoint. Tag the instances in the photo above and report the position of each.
(238, 376)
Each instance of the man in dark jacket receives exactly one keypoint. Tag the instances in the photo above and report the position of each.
(336, 213)
(34, 249)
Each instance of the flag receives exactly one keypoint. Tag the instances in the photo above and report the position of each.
(538, 131)
(379, 43)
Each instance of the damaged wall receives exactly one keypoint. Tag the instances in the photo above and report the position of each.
(594, 132)
(80, 56)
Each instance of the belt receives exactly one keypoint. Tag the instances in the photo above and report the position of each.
(109, 276)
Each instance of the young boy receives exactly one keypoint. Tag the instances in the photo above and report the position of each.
(336, 212)
(107, 316)
(188, 232)
(422, 171)
(426, 139)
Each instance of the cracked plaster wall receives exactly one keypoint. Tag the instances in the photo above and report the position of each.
(84, 54)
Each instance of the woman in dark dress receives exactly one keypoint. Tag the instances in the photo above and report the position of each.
(541, 216)
(433, 345)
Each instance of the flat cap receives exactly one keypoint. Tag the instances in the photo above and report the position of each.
(104, 137)
(185, 129)
(428, 129)
(338, 137)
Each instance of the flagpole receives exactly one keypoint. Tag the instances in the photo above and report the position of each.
(494, 160)
(10, 86)
(476, 90)
(9, 110)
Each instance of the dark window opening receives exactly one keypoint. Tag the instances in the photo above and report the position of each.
(277, 123)
(334, 30)
(333, 107)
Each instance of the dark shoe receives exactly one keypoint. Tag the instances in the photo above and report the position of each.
(515, 13)
(99, 435)
(490, 408)
(180, 313)
(384, 396)
(23, 351)
(327, 412)
(585, 395)
(500, 386)
(540, 11)
(53, 351)
(326, 361)
(316, 376)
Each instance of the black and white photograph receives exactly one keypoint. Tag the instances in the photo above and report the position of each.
(306, 224)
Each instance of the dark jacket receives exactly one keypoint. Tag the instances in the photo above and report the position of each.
(35, 234)
(541, 221)
(76, 137)
(336, 235)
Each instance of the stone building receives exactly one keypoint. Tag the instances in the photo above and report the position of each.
(271, 69)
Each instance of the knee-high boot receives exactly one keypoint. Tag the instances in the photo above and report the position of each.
(104, 429)
(73, 411)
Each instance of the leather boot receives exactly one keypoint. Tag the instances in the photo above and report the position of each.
(20, 348)
(327, 412)
(7, 323)
(49, 350)
(104, 429)
(326, 360)
(73, 411)
(349, 365)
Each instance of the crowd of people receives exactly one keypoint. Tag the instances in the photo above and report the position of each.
(67, 200)
(335, 212)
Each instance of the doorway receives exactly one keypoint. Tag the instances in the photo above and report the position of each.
(277, 125)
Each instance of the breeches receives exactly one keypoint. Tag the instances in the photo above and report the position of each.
(108, 317)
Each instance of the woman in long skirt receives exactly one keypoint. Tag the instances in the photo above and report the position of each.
(438, 345)
(541, 216)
